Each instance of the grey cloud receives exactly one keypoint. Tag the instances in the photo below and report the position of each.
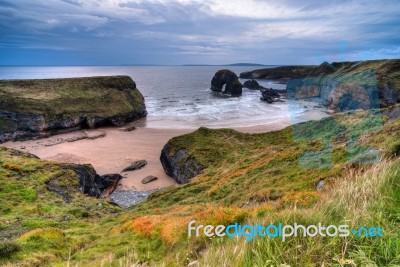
(176, 32)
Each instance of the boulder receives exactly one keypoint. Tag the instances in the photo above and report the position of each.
(252, 84)
(229, 79)
(149, 179)
(135, 165)
(179, 164)
(269, 95)
(40, 108)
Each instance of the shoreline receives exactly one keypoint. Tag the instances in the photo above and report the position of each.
(112, 150)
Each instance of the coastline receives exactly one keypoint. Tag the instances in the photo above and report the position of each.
(112, 150)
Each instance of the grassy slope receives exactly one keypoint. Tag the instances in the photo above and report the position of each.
(70, 96)
(39, 226)
(369, 199)
(248, 177)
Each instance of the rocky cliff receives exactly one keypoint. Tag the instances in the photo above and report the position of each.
(351, 85)
(39, 108)
(340, 85)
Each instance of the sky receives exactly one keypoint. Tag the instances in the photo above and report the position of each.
(175, 32)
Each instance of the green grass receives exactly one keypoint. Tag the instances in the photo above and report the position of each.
(358, 199)
(35, 222)
(94, 96)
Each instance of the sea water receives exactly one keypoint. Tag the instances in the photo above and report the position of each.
(180, 96)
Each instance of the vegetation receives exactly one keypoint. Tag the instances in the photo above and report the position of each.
(92, 95)
(249, 178)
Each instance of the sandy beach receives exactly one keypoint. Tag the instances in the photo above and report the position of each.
(114, 150)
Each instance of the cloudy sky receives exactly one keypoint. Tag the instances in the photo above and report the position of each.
(114, 32)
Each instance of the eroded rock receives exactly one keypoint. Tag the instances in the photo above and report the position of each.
(252, 84)
(135, 165)
(149, 179)
(269, 95)
(179, 164)
(229, 79)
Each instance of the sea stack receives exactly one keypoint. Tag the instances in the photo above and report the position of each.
(229, 79)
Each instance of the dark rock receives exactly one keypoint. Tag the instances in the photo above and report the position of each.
(252, 84)
(95, 135)
(269, 95)
(179, 165)
(135, 165)
(127, 129)
(107, 183)
(90, 183)
(229, 79)
(149, 179)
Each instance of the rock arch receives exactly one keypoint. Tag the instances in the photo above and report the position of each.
(229, 79)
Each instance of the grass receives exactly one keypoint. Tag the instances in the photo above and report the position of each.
(368, 198)
(92, 96)
(35, 224)
(248, 178)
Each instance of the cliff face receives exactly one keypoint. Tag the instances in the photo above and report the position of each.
(351, 85)
(179, 164)
(39, 108)
(341, 85)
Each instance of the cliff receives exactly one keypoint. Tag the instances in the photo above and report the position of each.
(340, 85)
(39, 108)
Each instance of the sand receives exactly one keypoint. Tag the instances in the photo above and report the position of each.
(114, 150)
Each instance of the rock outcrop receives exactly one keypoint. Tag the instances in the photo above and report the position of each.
(229, 79)
(252, 84)
(179, 164)
(269, 95)
(85, 180)
(64, 179)
(135, 165)
(40, 108)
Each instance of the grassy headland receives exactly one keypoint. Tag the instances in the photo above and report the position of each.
(31, 108)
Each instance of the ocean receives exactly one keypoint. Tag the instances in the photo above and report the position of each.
(180, 96)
